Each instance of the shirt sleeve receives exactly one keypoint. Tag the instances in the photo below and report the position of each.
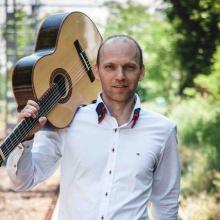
(166, 181)
(34, 161)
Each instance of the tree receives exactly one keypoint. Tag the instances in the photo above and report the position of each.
(210, 84)
(197, 25)
(20, 24)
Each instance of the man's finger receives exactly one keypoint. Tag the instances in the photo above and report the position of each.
(33, 111)
(42, 121)
(33, 103)
(24, 114)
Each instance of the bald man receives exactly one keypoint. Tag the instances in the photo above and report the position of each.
(115, 156)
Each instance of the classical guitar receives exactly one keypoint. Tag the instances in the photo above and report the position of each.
(58, 75)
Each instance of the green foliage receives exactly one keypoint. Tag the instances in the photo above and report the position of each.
(25, 39)
(198, 121)
(195, 162)
(24, 33)
(2, 81)
(198, 32)
(156, 38)
(210, 83)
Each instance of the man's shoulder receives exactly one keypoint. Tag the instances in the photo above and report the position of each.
(86, 108)
(86, 112)
(157, 119)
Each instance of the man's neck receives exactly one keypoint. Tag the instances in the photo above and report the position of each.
(121, 111)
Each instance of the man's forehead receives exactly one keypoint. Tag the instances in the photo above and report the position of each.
(120, 46)
(119, 41)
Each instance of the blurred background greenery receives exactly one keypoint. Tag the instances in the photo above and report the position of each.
(181, 46)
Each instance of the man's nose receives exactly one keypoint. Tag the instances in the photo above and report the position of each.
(120, 73)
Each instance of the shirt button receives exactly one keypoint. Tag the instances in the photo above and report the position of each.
(15, 165)
(110, 172)
(106, 194)
(102, 217)
(116, 130)
(113, 149)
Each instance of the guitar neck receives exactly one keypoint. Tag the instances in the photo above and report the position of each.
(50, 98)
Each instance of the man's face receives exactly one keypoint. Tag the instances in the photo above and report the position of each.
(119, 70)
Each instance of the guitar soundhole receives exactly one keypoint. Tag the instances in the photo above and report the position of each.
(62, 78)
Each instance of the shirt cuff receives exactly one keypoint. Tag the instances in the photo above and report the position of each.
(14, 157)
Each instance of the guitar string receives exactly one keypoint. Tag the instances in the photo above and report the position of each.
(29, 127)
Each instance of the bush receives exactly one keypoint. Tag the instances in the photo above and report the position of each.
(198, 121)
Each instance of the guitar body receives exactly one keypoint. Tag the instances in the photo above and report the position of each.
(56, 59)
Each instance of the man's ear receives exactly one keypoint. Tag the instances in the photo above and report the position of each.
(96, 69)
(142, 73)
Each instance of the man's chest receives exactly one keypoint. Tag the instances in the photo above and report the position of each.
(95, 151)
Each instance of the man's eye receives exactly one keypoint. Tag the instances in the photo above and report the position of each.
(130, 67)
(109, 67)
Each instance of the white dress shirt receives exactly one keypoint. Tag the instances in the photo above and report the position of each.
(108, 172)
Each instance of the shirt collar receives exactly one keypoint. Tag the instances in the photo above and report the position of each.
(102, 110)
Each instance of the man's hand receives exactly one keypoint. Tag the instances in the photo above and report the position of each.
(31, 110)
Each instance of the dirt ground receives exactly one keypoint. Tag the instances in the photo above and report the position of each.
(35, 204)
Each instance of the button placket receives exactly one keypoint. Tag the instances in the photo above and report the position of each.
(109, 177)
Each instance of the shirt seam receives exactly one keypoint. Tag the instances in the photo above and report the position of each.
(165, 144)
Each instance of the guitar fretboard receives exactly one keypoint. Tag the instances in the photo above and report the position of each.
(50, 98)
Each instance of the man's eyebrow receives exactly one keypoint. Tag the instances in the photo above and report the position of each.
(108, 62)
(130, 62)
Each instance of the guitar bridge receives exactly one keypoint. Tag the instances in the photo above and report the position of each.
(85, 61)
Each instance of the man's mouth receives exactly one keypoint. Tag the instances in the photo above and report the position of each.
(120, 86)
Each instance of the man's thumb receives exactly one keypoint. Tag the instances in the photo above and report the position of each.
(42, 121)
